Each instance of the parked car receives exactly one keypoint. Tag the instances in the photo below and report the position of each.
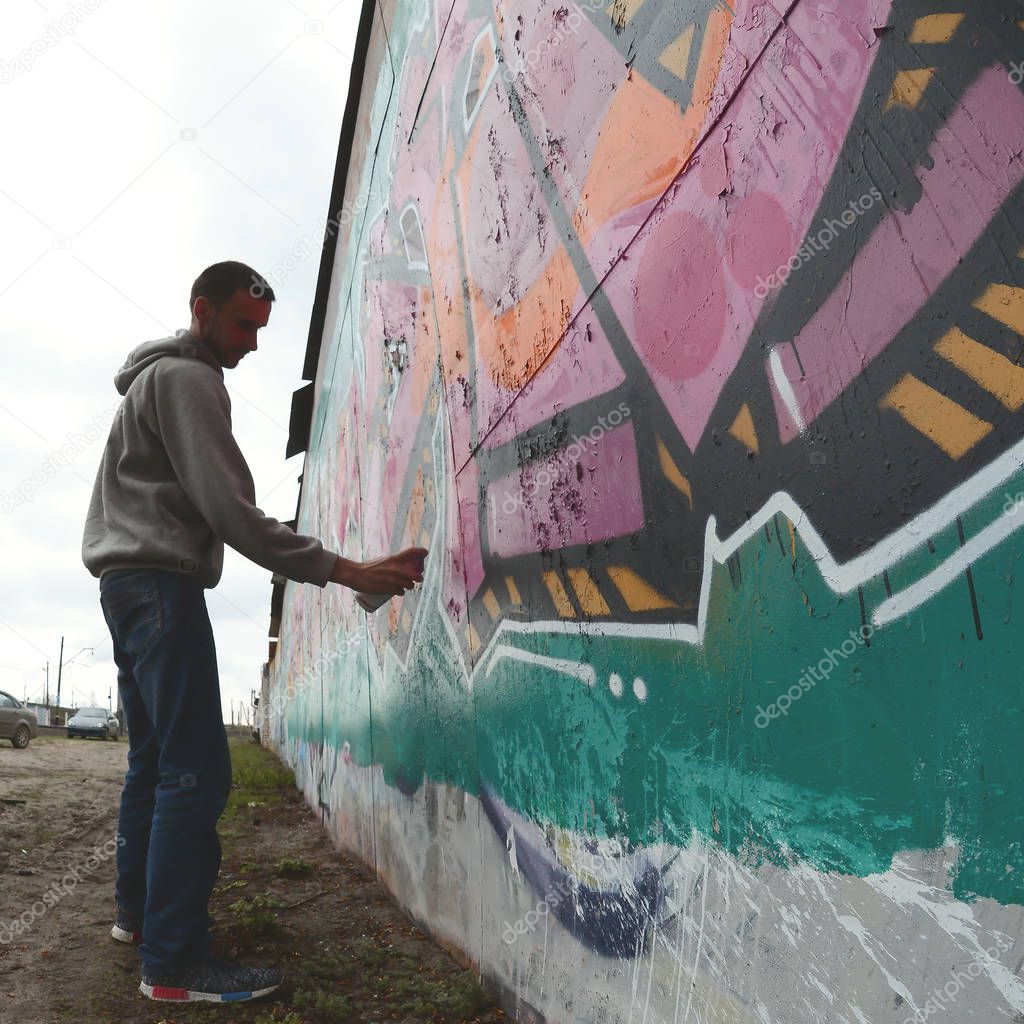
(17, 723)
(93, 722)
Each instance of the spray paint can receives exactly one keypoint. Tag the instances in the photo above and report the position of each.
(371, 602)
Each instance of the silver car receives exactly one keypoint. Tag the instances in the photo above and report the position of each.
(17, 723)
(93, 722)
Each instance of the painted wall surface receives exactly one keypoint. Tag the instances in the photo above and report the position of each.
(687, 336)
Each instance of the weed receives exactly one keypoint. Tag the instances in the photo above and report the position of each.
(286, 867)
(455, 998)
(466, 997)
(258, 779)
(256, 913)
(259, 771)
(327, 967)
(238, 883)
(368, 953)
(271, 1018)
(333, 1007)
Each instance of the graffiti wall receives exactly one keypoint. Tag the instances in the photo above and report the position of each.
(687, 336)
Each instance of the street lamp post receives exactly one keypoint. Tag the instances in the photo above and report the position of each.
(60, 668)
(68, 662)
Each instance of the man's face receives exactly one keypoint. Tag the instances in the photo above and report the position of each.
(230, 331)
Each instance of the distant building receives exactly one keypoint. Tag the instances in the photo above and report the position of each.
(41, 711)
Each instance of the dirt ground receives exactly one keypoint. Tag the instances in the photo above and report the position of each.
(285, 897)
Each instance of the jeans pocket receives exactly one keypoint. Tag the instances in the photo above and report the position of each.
(134, 613)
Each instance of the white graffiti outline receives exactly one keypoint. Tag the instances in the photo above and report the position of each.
(842, 578)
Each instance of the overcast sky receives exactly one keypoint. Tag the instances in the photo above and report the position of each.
(142, 143)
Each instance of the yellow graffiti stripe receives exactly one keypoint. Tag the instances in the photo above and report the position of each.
(992, 370)
(491, 604)
(622, 12)
(587, 592)
(513, 590)
(1004, 303)
(935, 28)
(561, 599)
(909, 87)
(743, 429)
(639, 595)
(949, 425)
(671, 470)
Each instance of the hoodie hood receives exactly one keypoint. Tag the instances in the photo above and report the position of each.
(173, 488)
(183, 343)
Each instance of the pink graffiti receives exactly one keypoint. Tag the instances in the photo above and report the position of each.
(910, 254)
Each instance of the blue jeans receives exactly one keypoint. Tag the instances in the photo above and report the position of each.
(179, 767)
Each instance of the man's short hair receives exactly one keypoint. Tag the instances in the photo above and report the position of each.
(221, 280)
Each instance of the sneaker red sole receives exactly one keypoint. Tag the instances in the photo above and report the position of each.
(172, 994)
(123, 935)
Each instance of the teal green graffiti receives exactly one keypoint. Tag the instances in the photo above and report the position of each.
(911, 740)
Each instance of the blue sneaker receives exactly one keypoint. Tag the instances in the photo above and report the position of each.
(212, 980)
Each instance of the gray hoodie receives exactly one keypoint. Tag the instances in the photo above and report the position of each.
(173, 487)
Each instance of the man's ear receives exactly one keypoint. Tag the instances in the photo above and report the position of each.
(202, 308)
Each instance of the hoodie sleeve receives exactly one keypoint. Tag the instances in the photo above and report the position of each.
(193, 417)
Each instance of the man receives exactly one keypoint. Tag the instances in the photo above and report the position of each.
(172, 489)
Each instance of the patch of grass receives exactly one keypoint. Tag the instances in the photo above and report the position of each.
(200, 1012)
(464, 996)
(327, 967)
(331, 1007)
(257, 913)
(367, 953)
(257, 771)
(272, 1018)
(395, 979)
(238, 883)
(455, 998)
(287, 867)
(258, 779)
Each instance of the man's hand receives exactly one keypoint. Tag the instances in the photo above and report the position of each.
(392, 575)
